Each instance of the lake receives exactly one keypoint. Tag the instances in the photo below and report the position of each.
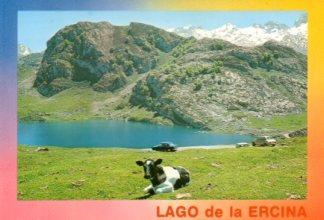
(106, 133)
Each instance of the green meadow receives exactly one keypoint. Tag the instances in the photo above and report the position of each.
(105, 173)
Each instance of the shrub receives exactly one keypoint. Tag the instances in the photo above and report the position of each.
(217, 46)
(216, 67)
(253, 63)
(120, 59)
(128, 67)
(121, 105)
(243, 104)
(266, 57)
(198, 86)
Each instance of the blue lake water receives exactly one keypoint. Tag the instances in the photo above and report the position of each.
(102, 133)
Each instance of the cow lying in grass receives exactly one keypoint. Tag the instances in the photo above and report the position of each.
(163, 179)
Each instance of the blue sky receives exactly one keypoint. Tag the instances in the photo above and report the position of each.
(36, 27)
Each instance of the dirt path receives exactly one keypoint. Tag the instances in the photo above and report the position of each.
(27, 83)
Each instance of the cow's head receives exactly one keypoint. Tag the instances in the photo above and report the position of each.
(151, 168)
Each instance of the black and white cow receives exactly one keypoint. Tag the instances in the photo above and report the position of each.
(163, 179)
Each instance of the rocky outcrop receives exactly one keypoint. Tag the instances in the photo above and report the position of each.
(299, 133)
(213, 83)
(110, 82)
(91, 51)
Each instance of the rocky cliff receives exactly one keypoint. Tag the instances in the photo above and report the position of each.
(101, 54)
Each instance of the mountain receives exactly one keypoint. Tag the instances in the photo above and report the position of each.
(212, 83)
(295, 37)
(301, 20)
(101, 54)
(142, 73)
(31, 61)
(23, 50)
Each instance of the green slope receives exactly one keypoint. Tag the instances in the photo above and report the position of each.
(94, 173)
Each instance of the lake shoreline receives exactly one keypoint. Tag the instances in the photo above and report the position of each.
(205, 147)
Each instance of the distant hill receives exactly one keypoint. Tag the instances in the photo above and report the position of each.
(143, 73)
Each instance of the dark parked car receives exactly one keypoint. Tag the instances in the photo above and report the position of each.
(165, 146)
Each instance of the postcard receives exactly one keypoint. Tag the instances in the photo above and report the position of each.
(161, 110)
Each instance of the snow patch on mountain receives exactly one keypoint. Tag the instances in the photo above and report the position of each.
(23, 50)
(295, 36)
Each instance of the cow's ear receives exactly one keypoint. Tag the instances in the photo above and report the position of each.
(158, 161)
(140, 163)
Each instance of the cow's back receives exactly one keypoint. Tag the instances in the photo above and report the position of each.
(172, 175)
(184, 177)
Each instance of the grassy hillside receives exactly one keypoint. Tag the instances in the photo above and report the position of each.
(79, 102)
(289, 122)
(244, 173)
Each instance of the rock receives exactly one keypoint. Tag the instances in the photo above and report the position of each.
(272, 166)
(42, 149)
(299, 133)
(110, 82)
(78, 183)
(208, 187)
(198, 158)
(293, 196)
(44, 187)
(242, 144)
(217, 165)
(183, 196)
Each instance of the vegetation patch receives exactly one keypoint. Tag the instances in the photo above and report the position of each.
(281, 123)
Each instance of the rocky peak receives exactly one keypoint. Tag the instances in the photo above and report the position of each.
(87, 51)
(301, 20)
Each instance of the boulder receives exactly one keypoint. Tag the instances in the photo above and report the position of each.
(299, 133)
(42, 149)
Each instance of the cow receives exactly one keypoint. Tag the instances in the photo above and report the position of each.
(164, 179)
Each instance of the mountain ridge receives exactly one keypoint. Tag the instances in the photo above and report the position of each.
(254, 35)
(143, 73)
